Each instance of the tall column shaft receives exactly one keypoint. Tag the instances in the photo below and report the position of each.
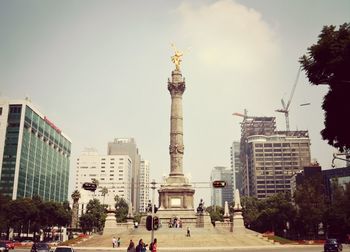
(176, 88)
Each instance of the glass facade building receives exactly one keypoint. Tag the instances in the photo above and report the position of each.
(220, 195)
(35, 154)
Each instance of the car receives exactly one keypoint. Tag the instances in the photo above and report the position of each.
(9, 244)
(27, 243)
(332, 245)
(3, 247)
(64, 249)
(40, 247)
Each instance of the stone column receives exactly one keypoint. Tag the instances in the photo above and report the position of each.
(176, 87)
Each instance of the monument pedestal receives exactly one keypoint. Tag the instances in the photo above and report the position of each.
(203, 220)
(110, 223)
(176, 201)
(238, 222)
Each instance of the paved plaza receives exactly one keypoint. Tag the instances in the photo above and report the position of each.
(176, 237)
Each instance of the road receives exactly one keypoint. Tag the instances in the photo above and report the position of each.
(247, 249)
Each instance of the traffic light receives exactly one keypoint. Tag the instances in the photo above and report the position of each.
(90, 186)
(219, 183)
(149, 223)
(155, 223)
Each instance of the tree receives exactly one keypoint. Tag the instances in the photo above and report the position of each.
(216, 213)
(270, 214)
(75, 196)
(337, 217)
(94, 218)
(250, 211)
(104, 191)
(5, 215)
(121, 209)
(310, 201)
(328, 62)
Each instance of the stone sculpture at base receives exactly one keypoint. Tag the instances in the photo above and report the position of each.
(238, 222)
(226, 213)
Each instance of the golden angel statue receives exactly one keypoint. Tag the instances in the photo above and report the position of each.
(176, 59)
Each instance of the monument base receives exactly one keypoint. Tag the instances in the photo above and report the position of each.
(110, 223)
(203, 220)
(176, 201)
(238, 222)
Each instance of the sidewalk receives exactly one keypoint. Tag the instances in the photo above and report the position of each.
(272, 247)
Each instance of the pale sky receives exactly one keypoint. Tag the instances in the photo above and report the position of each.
(99, 70)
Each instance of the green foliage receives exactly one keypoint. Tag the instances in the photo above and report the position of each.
(31, 215)
(94, 217)
(138, 216)
(76, 195)
(327, 62)
(337, 215)
(270, 214)
(310, 199)
(121, 209)
(104, 191)
(216, 213)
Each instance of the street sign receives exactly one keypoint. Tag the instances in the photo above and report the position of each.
(90, 186)
(219, 184)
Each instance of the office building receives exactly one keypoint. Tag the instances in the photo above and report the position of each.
(340, 176)
(312, 171)
(220, 195)
(127, 146)
(111, 171)
(144, 185)
(34, 153)
(236, 166)
(270, 157)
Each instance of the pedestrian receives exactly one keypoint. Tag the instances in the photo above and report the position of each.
(114, 241)
(141, 247)
(131, 247)
(118, 242)
(144, 247)
(188, 232)
(153, 245)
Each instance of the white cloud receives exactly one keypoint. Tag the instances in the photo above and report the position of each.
(226, 34)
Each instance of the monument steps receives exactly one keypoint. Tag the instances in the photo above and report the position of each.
(176, 237)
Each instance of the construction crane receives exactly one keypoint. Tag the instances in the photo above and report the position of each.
(245, 115)
(285, 108)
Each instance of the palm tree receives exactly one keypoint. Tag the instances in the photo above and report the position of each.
(75, 196)
(104, 191)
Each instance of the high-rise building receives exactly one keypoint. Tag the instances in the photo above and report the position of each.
(112, 172)
(236, 166)
(144, 185)
(220, 195)
(274, 159)
(252, 126)
(271, 157)
(127, 146)
(34, 153)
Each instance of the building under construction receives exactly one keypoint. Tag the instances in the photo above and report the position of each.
(270, 157)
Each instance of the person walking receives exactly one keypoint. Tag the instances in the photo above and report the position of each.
(118, 242)
(153, 245)
(141, 247)
(188, 232)
(114, 242)
(131, 247)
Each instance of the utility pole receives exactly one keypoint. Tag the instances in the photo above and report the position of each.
(153, 187)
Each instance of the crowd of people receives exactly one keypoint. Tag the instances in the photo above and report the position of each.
(140, 247)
